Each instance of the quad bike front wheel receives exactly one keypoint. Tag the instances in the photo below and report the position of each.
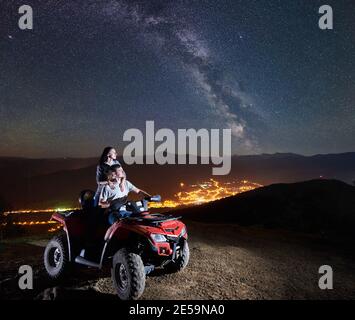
(56, 257)
(128, 275)
(181, 260)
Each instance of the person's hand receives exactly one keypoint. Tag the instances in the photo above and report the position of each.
(104, 205)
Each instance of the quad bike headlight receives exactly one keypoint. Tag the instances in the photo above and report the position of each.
(183, 231)
(158, 237)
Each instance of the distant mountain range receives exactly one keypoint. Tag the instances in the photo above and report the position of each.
(40, 183)
(289, 167)
(322, 207)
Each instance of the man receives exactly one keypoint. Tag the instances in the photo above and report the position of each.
(114, 194)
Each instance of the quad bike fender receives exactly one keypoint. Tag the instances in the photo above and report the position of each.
(123, 232)
(113, 231)
(58, 217)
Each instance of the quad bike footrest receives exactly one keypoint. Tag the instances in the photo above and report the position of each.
(86, 262)
(148, 269)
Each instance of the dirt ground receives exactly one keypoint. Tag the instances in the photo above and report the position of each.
(226, 262)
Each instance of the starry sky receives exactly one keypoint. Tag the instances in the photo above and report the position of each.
(90, 69)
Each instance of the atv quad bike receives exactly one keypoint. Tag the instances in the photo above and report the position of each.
(134, 246)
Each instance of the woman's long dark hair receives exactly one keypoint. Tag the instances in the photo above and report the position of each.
(104, 155)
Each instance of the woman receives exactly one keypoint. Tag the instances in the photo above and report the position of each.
(108, 158)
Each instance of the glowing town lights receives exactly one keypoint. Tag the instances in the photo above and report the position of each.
(54, 229)
(39, 211)
(207, 191)
(164, 204)
(62, 210)
(193, 194)
(33, 223)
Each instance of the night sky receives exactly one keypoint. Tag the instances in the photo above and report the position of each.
(91, 69)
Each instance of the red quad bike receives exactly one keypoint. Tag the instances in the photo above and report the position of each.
(134, 245)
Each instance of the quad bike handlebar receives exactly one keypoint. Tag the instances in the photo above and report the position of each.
(156, 198)
(136, 207)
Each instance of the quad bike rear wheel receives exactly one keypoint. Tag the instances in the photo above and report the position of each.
(128, 275)
(56, 257)
(182, 259)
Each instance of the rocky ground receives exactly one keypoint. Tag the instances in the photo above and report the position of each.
(227, 262)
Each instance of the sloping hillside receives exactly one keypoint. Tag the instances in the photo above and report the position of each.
(319, 206)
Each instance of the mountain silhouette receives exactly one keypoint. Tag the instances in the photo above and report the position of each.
(324, 207)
